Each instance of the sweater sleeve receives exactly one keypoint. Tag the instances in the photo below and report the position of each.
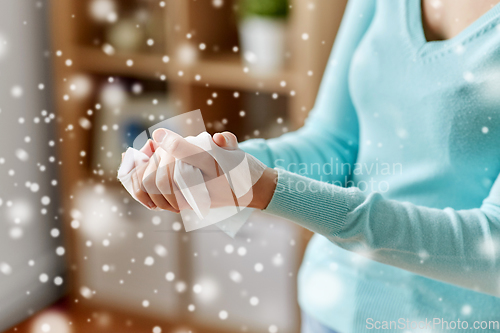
(461, 247)
(330, 135)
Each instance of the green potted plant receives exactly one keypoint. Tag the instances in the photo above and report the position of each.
(262, 29)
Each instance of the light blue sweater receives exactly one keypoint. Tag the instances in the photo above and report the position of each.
(410, 130)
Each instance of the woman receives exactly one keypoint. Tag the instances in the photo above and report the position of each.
(408, 121)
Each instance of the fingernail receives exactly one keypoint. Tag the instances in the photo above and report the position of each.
(151, 205)
(225, 138)
(159, 135)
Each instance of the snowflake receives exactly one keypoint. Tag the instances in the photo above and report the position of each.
(223, 315)
(254, 301)
(22, 155)
(273, 329)
(170, 276)
(235, 276)
(217, 3)
(160, 250)
(43, 278)
(5, 268)
(16, 91)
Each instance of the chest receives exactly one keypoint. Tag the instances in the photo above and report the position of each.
(445, 19)
(441, 100)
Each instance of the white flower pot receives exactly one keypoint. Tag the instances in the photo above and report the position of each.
(263, 44)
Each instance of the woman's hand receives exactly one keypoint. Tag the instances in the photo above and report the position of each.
(264, 189)
(142, 188)
(154, 185)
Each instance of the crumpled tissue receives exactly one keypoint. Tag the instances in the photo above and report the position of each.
(241, 170)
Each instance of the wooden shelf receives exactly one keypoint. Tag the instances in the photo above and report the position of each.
(227, 71)
(93, 59)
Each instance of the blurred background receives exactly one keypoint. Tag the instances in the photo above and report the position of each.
(79, 80)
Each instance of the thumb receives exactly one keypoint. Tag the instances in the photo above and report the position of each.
(226, 140)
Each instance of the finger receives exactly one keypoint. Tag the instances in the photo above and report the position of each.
(149, 148)
(180, 148)
(166, 184)
(142, 155)
(226, 140)
(220, 140)
(149, 183)
(130, 159)
(181, 201)
(138, 190)
(164, 178)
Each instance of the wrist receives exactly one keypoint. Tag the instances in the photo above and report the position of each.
(263, 190)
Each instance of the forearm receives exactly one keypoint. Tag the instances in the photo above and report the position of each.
(317, 154)
(459, 247)
(263, 190)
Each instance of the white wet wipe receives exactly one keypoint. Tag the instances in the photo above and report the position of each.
(241, 170)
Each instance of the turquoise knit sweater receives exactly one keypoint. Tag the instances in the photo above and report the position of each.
(396, 171)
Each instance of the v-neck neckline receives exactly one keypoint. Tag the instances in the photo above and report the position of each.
(415, 26)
